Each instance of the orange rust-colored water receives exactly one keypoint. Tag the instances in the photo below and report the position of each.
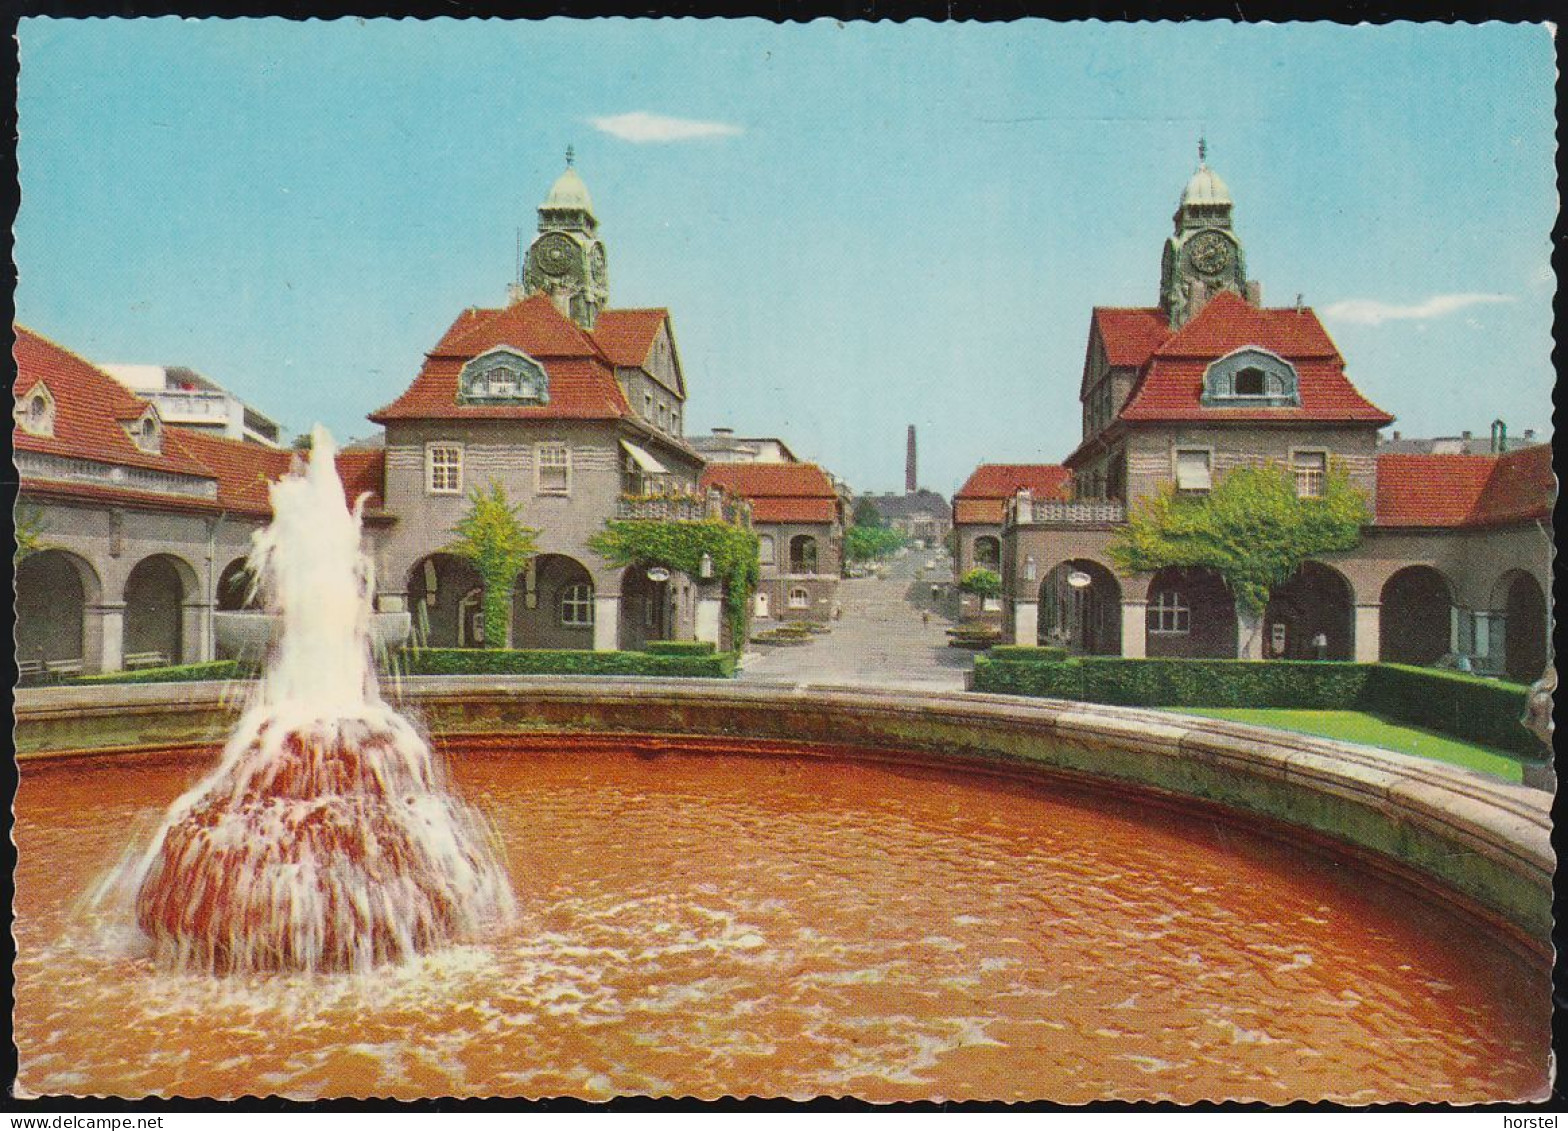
(704, 925)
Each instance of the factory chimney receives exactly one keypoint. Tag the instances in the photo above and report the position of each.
(909, 464)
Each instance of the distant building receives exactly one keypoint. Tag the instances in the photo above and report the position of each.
(977, 519)
(922, 516)
(1496, 441)
(799, 516)
(186, 398)
(723, 446)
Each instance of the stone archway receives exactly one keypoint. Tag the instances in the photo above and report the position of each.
(1311, 617)
(646, 612)
(237, 591)
(53, 591)
(1415, 619)
(440, 588)
(988, 552)
(553, 604)
(1086, 619)
(803, 554)
(1191, 614)
(1518, 615)
(155, 594)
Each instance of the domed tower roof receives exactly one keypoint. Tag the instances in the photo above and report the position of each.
(569, 191)
(1205, 188)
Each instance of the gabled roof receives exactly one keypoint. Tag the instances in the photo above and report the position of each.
(1170, 386)
(983, 495)
(1464, 490)
(363, 471)
(533, 325)
(778, 492)
(1130, 334)
(90, 409)
(243, 470)
(626, 336)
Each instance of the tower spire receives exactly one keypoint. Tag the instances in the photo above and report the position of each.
(1203, 150)
(571, 155)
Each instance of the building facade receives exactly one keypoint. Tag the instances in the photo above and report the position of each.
(1177, 395)
(977, 521)
(800, 517)
(189, 400)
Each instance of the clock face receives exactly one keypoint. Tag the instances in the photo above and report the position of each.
(556, 254)
(1209, 253)
(598, 270)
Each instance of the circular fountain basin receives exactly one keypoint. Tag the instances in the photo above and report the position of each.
(250, 634)
(740, 890)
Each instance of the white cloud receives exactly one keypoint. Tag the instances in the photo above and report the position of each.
(642, 127)
(1370, 312)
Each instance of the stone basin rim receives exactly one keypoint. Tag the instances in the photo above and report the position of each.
(1487, 840)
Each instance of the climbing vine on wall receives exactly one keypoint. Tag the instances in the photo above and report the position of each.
(492, 539)
(680, 546)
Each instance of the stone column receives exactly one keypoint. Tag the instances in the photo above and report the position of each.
(1135, 628)
(710, 615)
(196, 632)
(1491, 629)
(606, 622)
(1026, 622)
(107, 622)
(1368, 633)
(1249, 635)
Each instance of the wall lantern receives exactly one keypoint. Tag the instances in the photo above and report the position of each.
(1078, 579)
(1029, 568)
(705, 566)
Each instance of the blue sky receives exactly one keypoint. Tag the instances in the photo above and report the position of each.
(856, 227)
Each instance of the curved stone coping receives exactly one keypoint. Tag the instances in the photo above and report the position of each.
(1487, 840)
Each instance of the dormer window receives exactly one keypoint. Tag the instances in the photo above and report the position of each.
(35, 412)
(1254, 377)
(146, 432)
(503, 375)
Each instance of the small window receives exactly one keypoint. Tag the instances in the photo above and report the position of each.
(577, 606)
(145, 434)
(675, 422)
(799, 598)
(1192, 470)
(664, 416)
(765, 549)
(36, 415)
(647, 406)
(553, 469)
(1249, 383)
(444, 469)
(1309, 468)
(1169, 614)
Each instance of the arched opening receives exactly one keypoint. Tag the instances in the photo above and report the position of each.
(155, 613)
(1415, 622)
(237, 589)
(445, 597)
(988, 552)
(1191, 614)
(552, 604)
(53, 590)
(1518, 628)
(1311, 617)
(647, 606)
(1081, 609)
(803, 554)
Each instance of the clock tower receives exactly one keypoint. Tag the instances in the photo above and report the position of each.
(1202, 256)
(566, 259)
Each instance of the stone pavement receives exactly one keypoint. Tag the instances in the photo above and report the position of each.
(881, 639)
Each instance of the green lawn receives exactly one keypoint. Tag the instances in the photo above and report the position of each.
(1372, 730)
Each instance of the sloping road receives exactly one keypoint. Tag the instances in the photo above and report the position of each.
(882, 639)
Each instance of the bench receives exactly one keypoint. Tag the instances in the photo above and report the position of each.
(135, 660)
(63, 667)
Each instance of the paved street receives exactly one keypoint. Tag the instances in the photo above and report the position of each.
(880, 641)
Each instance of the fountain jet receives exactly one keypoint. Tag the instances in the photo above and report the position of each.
(325, 839)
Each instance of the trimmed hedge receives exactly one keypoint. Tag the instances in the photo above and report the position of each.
(544, 661)
(178, 673)
(680, 648)
(1465, 707)
(1031, 653)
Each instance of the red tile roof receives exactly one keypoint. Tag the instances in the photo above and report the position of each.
(243, 470)
(981, 498)
(626, 336)
(89, 407)
(1130, 334)
(363, 471)
(778, 492)
(582, 380)
(1465, 490)
(1171, 384)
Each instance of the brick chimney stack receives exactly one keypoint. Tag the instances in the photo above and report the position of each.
(910, 484)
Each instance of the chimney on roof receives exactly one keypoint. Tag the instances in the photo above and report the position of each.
(909, 464)
(1254, 292)
(1465, 435)
(1300, 299)
(1396, 434)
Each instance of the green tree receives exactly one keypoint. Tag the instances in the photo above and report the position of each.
(29, 532)
(492, 539)
(731, 550)
(1252, 528)
(866, 543)
(981, 582)
(867, 515)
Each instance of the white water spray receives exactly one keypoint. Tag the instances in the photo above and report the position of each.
(324, 839)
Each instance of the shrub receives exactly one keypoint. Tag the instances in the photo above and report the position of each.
(981, 582)
(1466, 706)
(178, 673)
(680, 647)
(543, 661)
(1028, 653)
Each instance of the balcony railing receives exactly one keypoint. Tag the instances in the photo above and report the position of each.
(684, 508)
(1023, 510)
